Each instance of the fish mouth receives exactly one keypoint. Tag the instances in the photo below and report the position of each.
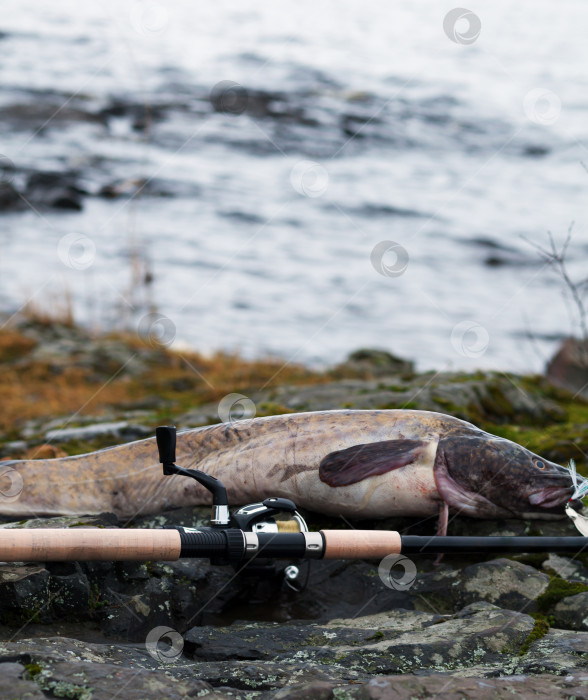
(552, 497)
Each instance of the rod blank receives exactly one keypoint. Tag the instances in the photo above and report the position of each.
(412, 544)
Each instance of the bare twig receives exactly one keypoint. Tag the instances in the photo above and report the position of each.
(576, 289)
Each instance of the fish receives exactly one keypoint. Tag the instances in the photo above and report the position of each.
(354, 463)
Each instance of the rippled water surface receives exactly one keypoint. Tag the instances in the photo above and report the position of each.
(454, 152)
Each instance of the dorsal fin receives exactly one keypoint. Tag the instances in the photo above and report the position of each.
(358, 462)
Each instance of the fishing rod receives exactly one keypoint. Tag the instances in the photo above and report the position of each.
(256, 534)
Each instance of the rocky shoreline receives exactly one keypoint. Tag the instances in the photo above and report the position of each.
(471, 627)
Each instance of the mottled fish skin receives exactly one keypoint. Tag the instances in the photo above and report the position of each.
(257, 458)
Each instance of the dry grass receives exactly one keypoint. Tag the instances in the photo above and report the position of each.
(35, 386)
(55, 309)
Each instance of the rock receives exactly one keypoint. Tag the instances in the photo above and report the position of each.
(69, 590)
(319, 690)
(558, 652)
(14, 684)
(14, 446)
(571, 613)
(151, 187)
(444, 687)
(568, 368)
(503, 582)
(485, 398)
(24, 592)
(570, 569)
(9, 198)
(133, 616)
(44, 451)
(255, 641)
(47, 110)
(119, 429)
(422, 641)
(375, 363)
(54, 190)
(102, 520)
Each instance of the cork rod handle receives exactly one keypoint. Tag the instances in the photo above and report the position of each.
(88, 544)
(360, 544)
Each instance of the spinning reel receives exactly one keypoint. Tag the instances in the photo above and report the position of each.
(272, 516)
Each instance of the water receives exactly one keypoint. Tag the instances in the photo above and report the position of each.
(439, 147)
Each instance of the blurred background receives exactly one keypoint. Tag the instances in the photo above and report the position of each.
(300, 179)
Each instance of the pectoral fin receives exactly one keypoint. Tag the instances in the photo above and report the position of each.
(359, 462)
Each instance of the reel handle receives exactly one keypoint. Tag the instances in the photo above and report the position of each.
(165, 436)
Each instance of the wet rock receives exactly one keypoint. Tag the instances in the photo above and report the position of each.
(272, 675)
(14, 684)
(321, 690)
(24, 592)
(47, 111)
(152, 187)
(444, 687)
(485, 398)
(478, 634)
(257, 641)
(566, 568)
(119, 429)
(558, 652)
(9, 198)
(102, 520)
(43, 451)
(69, 590)
(55, 190)
(503, 582)
(568, 368)
(133, 616)
(375, 363)
(571, 613)
(140, 115)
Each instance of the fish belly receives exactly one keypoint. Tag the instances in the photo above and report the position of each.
(409, 490)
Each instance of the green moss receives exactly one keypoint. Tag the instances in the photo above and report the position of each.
(533, 559)
(32, 670)
(317, 640)
(540, 629)
(377, 635)
(556, 590)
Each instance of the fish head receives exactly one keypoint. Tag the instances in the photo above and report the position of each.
(487, 476)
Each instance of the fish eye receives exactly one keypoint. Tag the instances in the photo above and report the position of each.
(539, 464)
